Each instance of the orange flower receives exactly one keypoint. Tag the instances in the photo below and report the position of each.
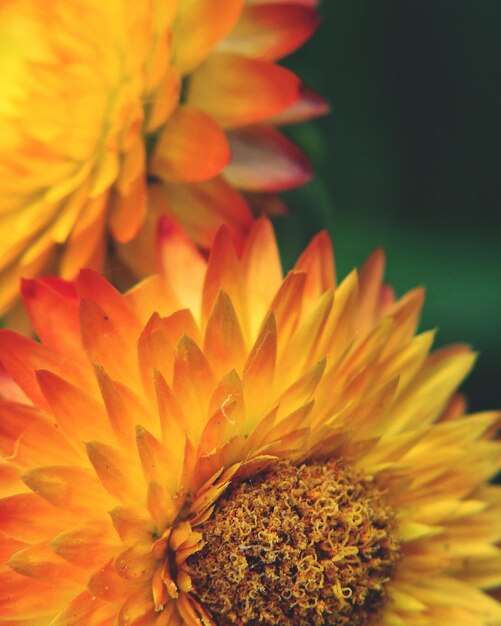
(163, 431)
(98, 97)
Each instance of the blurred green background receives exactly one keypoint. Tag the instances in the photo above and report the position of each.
(408, 159)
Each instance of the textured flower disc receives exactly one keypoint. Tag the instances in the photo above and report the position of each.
(97, 97)
(221, 425)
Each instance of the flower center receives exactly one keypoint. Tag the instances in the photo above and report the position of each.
(313, 544)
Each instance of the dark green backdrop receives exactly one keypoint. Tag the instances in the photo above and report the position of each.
(408, 159)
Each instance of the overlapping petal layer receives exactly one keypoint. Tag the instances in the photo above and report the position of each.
(135, 412)
(99, 98)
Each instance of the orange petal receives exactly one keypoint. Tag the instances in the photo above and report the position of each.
(223, 272)
(52, 305)
(127, 211)
(136, 563)
(93, 286)
(262, 159)
(287, 306)
(151, 289)
(161, 505)
(131, 525)
(27, 517)
(115, 471)
(23, 598)
(121, 411)
(154, 459)
(157, 344)
(191, 148)
(182, 264)
(193, 383)
(262, 270)
(317, 261)
(370, 286)
(104, 341)
(211, 203)
(89, 546)
(28, 438)
(223, 343)
(107, 585)
(79, 415)
(64, 486)
(42, 563)
(86, 610)
(309, 105)
(173, 420)
(199, 27)
(260, 370)
(21, 357)
(236, 91)
(271, 31)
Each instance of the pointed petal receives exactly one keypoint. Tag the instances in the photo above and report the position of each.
(182, 265)
(23, 598)
(103, 340)
(79, 415)
(29, 438)
(86, 610)
(223, 343)
(116, 472)
(223, 272)
(262, 159)
(317, 261)
(309, 105)
(63, 486)
(52, 305)
(193, 382)
(262, 270)
(89, 546)
(21, 357)
(41, 562)
(236, 91)
(199, 27)
(27, 517)
(191, 148)
(271, 31)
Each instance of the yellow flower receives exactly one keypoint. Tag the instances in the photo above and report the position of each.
(99, 97)
(222, 445)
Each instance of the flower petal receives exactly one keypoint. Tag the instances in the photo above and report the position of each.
(262, 159)
(236, 91)
(190, 148)
(271, 31)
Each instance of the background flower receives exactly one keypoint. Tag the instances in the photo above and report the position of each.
(142, 410)
(99, 97)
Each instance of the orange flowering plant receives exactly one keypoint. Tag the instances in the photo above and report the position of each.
(223, 445)
(100, 99)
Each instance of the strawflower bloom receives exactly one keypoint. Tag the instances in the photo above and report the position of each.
(100, 97)
(222, 445)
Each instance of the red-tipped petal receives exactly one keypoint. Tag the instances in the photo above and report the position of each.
(309, 105)
(271, 31)
(262, 159)
(237, 91)
(52, 305)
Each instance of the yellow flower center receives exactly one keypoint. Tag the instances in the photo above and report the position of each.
(313, 544)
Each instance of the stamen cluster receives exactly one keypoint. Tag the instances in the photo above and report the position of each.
(303, 545)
